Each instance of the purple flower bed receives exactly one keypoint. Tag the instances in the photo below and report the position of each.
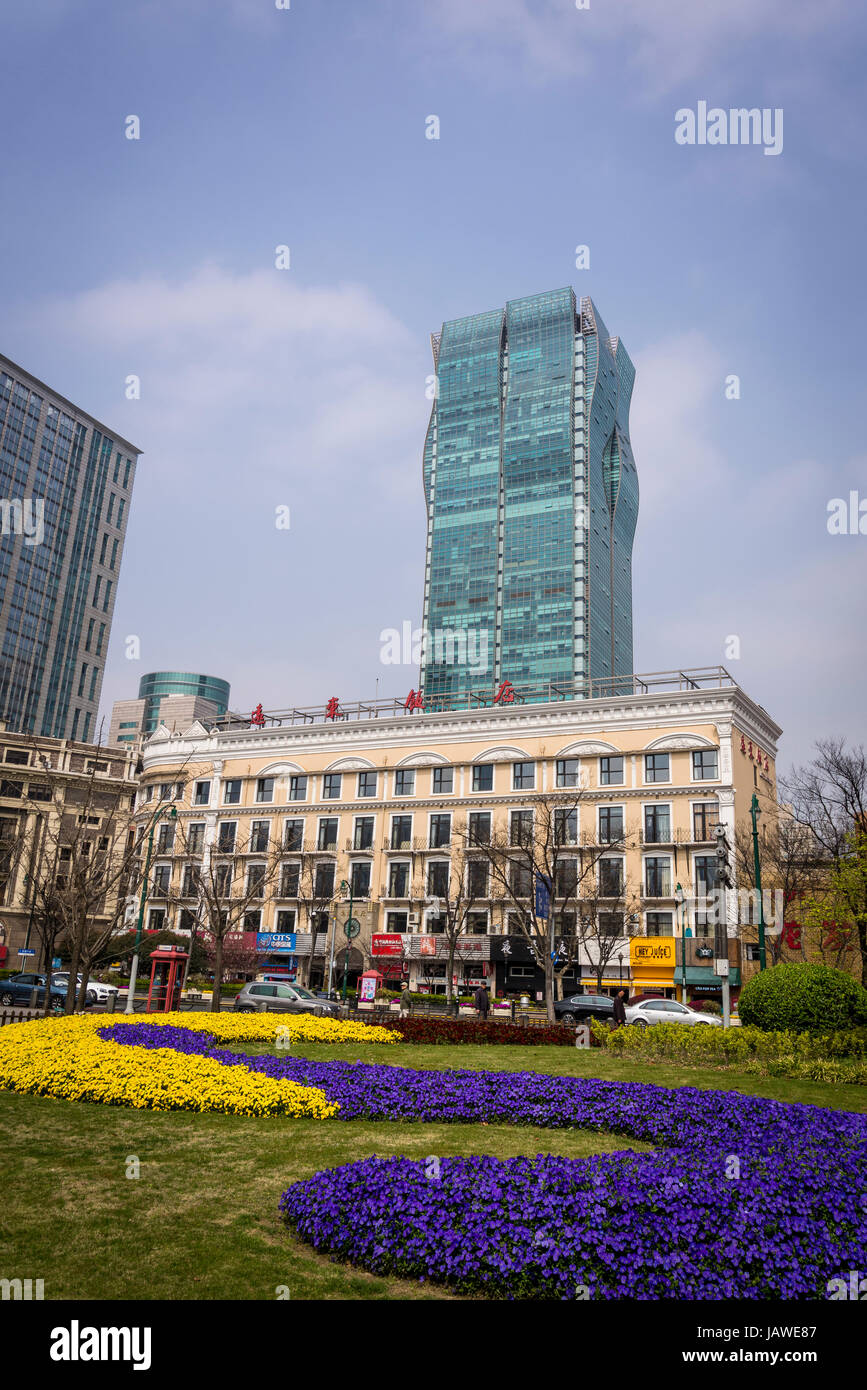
(670, 1224)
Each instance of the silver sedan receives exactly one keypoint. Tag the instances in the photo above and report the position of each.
(651, 1011)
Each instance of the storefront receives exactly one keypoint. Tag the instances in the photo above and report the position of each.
(652, 962)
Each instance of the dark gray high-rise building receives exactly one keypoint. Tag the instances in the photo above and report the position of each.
(65, 488)
(532, 502)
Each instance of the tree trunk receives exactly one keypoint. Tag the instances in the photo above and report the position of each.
(549, 988)
(450, 969)
(72, 983)
(218, 975)
(861, 919)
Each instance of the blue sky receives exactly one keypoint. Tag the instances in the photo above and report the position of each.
(306, 387)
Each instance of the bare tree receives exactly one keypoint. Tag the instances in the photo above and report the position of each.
(453, 903)
(792, 864)
(542, 870)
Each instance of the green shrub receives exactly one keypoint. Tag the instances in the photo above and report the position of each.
(803, 998)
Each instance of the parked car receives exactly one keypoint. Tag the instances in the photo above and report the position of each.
(579, 1008)
(651, 1011)
(291, 999)
(101, 993)
(18, 989)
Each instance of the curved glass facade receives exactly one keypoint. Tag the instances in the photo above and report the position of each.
(156, 684)
(532, 501)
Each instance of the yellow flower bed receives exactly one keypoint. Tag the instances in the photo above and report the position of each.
(65, 1058)
(263, 1028)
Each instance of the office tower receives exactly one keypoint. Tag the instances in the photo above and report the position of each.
(532, 501)
(173, 698)
(65, 487)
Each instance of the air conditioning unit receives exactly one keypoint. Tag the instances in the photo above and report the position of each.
(414, 919)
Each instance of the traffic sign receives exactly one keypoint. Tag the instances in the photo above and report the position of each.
(27, 951)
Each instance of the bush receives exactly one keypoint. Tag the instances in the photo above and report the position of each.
(452, 1030)
(803, 998)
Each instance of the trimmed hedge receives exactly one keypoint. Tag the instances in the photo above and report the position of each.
(453, 1030)
(803, 998)
(838, 1057)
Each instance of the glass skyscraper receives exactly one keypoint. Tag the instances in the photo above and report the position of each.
(65, 488)
(532, 502)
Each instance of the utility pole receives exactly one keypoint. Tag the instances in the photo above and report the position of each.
(721, 944)
(755, 813)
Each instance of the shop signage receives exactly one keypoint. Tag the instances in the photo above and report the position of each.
(654, 951)
(386, 944)
(276, 941)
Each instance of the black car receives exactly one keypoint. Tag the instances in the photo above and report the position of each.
(18, 989)
(580, 1008)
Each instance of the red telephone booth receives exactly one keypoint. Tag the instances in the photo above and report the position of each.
(167, 975)
(368, 985)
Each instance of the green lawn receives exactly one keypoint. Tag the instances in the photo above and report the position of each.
(201, 1221)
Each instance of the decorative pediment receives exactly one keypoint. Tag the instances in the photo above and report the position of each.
(676, 743)
(161, 734)
(424, 760)
(196, 730)
(282, 769)
(350, 765)
(503, 755)
(587, 748)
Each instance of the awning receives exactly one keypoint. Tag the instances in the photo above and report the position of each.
(696, 976)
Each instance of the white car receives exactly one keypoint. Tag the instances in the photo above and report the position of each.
(101, 992)
(651, 1011)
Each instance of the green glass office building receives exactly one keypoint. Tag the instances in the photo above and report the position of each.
(532, 502)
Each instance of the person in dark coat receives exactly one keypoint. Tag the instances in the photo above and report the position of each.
(481, 1001)
(620, 1008)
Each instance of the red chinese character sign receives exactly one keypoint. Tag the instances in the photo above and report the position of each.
(257, 717)
(332, 709)
(505, 695)
(414, 701)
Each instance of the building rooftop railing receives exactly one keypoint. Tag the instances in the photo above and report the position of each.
(498, 694)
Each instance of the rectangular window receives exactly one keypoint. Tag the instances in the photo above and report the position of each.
(110, 510)
(401, 832)
(657, 825)
(196, 838)
(265, 789)
(165, 839)
(523, 776)
(705, 819)
(323, 883)
(443, 780)
(256, 881)
(226, 837)
(483, 777)
(97, 589)
(121, 508)
(112, 564)
(165, 791)
(19, 756)
(477, 925)
(396, 921)
(89, 634)
(359, 878)
(610, 878)
(253, 919)
(327, 833)
(202, 794)
(162, 878)
(610, 824)
(100, 639)
(404, 781)
(705, 765)
(657, 767)
(190, 886)
(521, 828)
(479, 827)
(39, 793)
(438, 880)
(293, 834)
(566, 826)
(657, 877)
(289, 879)
(519, 877)
(363, 835)
(660, 924)
(610, 923)
(567, 772)
(331, 784)
(232, 791)
(440, 831)
(286, 918)
(477, 878)
(260, 834)
(566, 878)
(298, 788)
(706, 880)
(81, 681)
(109, 584)
(366, 784)
(398, 880)
(157, 919)
(611, 772)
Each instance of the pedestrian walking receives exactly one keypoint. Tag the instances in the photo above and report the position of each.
(620, 1008)
(481, 1001)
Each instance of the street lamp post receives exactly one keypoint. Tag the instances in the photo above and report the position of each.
(347, 931)
(681, 912)
(755, 813)
(133, 975)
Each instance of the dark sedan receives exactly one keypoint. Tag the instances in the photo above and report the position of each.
(18, 989)
(580, 1008)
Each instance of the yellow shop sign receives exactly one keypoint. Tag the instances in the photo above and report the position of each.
(653, 952)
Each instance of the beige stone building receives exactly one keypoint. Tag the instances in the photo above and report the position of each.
(382, 799)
